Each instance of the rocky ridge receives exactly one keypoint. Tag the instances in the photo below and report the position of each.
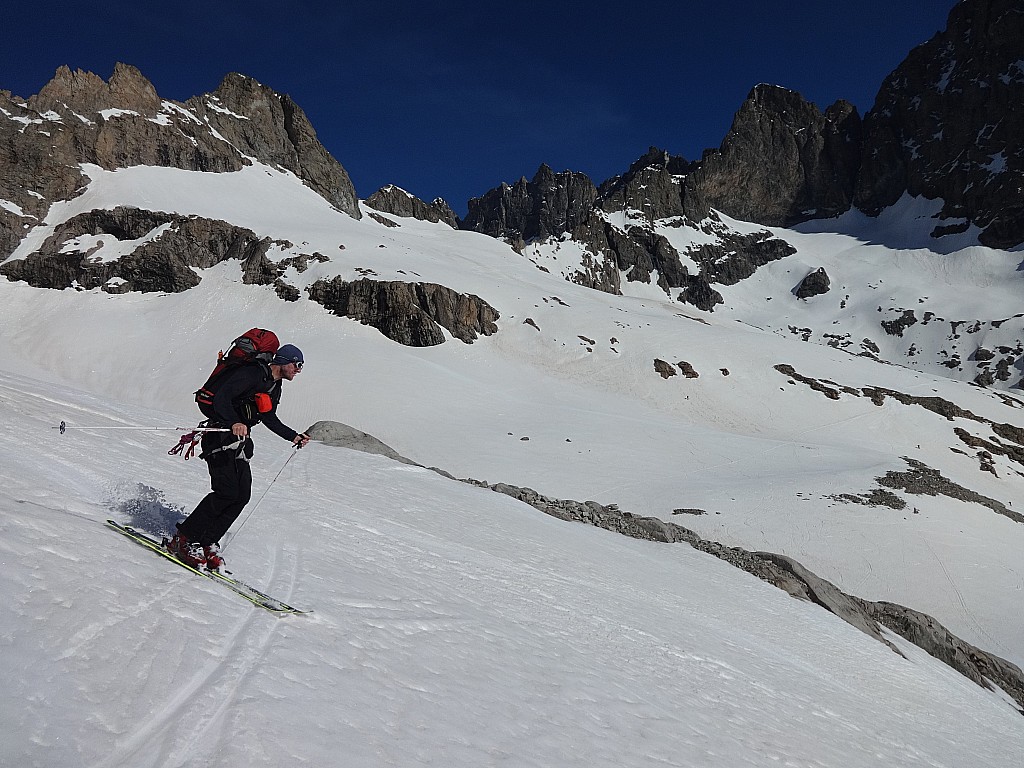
(568, 205)
(944, 125)
(985, 669)
(546, 206)
(782, 162)
(78, 118)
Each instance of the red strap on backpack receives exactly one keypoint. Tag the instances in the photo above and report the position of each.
(191, 440)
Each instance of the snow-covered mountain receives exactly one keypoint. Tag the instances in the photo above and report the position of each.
(791, 447)
(870, 435)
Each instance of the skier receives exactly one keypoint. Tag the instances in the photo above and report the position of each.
(248, 395)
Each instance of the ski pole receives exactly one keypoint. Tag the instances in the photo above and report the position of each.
(249, 514)
(64, 427)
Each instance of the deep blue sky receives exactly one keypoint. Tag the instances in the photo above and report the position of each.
(448, 99)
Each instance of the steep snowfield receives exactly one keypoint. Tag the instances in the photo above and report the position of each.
(408, 571)
(452, 626)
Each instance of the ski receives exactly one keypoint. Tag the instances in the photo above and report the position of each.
(250, 593)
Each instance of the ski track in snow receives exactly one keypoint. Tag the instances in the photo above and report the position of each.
(185, 728)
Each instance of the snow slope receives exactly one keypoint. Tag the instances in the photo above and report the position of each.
(452, 626)
(407, 571)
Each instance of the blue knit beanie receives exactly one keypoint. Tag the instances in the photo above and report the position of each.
(289, 353)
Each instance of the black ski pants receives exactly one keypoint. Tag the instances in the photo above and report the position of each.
(231, 489)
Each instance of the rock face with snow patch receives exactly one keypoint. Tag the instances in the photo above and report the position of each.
(948, 122)
(409, 313)
(652, 190)
(550, 204)
(272, 128)
(652, 187)
(163, 250)
(397, 201)
(736, 257)
(79, 118)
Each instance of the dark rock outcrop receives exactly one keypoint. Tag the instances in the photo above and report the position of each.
(170, 246)
(640, 251)
(409, 313)
(947, 124)
(548, 205)
(688, 370)
(814, 284)
(782, 162)
(663, 369)
(652, 187)
(736, 257)
(899, 325)
(397, 201)
(697, 291)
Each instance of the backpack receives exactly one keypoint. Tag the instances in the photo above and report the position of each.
(255, 345)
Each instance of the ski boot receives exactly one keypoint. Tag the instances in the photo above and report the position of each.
(214, 560)
(189, 553)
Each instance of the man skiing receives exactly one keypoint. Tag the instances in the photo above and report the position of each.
(247, 395)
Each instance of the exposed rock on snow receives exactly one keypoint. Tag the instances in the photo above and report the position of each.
(340, 435)
(409, 313)
(663, 369)
(397, 201)
(924, 480)
(814, 284)
(899, 325)
(163, 249)
(687, 370)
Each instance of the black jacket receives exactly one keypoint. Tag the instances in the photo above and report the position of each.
(234, 401)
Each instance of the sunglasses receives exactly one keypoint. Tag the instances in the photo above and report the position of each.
(297, 364)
